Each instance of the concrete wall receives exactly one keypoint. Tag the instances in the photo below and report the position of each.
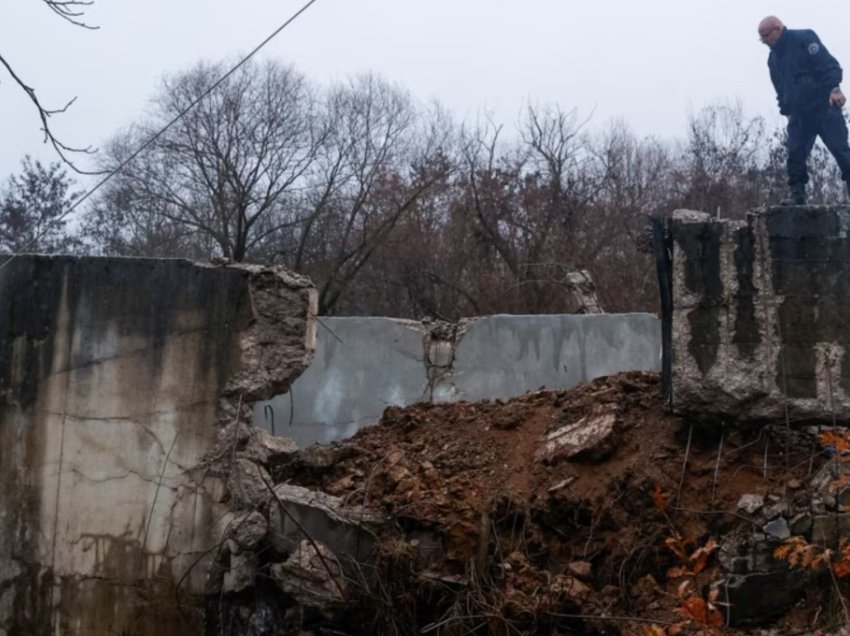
(363, 365)
(757, 319)
(113, 373)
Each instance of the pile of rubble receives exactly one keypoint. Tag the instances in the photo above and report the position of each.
(592, 510)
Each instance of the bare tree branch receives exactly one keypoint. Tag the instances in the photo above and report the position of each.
(44, 114)
(71, 10)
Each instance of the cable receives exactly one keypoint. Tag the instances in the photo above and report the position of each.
(144, 146)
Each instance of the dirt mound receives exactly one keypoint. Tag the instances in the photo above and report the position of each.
(557, 512)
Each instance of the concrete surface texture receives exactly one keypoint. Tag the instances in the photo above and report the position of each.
(363, 365)
(113, 373)
(758, 314)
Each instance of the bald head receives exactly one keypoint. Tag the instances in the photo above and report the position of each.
(770, 22)
(770, 29)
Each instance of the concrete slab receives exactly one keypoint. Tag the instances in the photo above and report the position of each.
(361, 366)
(504, 356)
(373, 363)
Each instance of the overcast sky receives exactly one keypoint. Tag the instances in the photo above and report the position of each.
(648, 63)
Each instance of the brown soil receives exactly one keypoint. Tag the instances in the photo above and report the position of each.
(523, 547)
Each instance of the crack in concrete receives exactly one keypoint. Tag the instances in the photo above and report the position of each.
(122, 476)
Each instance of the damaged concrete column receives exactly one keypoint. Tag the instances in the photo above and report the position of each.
(756, 318)
(115, 377)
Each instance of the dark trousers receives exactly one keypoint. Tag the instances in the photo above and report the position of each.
(827, 123)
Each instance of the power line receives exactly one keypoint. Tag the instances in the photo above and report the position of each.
(145, 145)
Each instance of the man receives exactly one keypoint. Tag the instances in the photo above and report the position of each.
(806, 78)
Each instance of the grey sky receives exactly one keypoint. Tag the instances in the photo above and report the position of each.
(647, 63)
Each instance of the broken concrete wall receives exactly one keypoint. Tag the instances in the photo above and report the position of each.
(756, 322)
(363, 365)
(116, 376)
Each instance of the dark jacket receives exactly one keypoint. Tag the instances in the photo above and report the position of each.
(803, 72)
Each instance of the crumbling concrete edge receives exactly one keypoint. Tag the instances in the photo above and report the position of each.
(274, 344)
(440, 342)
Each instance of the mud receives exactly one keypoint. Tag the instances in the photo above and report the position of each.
(489, 536)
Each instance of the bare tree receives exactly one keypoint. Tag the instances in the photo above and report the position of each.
(723, 162)
(377, 163)
(525, 198)
(232, 171)
(72, 11)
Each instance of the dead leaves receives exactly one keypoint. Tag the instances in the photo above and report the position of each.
(798, 553)
(839, 442)
(694, 608)
(660, 500)
(690, 564)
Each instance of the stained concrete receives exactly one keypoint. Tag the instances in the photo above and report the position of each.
(504, 356)
(113, 376)
(363, 365)
(758, 311)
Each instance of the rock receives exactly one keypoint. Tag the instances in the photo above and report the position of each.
(778, 529)
(264, 448)
(398, 473)
(240, 576)
(312, 575)
(801, 501)
(570, 586)
(247, 484)
(751, 503)
(801, 524)
(740, 565)
(247, 531)
(758, 598)
(345, 530)
(646, 589)
(610, 591)
(825, 530)
(320, 457)
(774, 510)
(762, 554)
(580, 569)
(591, 439)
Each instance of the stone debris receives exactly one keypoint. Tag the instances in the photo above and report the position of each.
(312, 576)
(778, 529)
(247, 531)
(751, 503)
(591, 439)
(241, 574)
(248, 484)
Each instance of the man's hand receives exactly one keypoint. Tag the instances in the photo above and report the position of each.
(836, 98)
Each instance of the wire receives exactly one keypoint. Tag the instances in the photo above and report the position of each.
(145, 145)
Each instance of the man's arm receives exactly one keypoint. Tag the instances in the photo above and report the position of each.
(774, 78)
(826, 67)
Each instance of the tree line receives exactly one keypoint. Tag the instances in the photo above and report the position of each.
(393, 207)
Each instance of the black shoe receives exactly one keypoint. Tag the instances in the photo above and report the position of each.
(797, 196)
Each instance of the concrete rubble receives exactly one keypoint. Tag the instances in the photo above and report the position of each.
(590, 439)
(755, 313)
